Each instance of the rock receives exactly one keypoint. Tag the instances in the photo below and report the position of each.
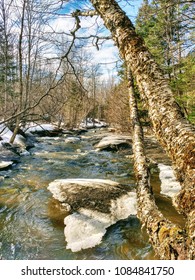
(95, 205)
(169, 185)
(72, 140)
(5, 164)
(24, 152)
(114, 142)
(8, 155)
(79, 131)
(2, 179)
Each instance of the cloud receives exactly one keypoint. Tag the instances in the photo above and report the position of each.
(107, 58)
(107, 54)
(63, 24)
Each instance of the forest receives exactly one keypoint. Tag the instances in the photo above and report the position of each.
(126, 66)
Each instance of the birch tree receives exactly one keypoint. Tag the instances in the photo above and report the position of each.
(168, 239)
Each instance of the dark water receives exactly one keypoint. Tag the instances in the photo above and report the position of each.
(31, 224)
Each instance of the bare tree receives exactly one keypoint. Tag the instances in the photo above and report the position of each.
(6, 56)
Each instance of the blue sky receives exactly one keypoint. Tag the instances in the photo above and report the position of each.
(130, 6)
(107, 54)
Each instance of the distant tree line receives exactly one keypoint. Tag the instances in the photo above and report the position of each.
(49, 76)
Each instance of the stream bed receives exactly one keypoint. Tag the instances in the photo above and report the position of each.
(31, 224)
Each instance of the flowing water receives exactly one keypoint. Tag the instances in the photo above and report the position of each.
(31, 224)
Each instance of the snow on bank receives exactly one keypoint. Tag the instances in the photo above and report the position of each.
(90, 123)
(169, 185)
(33, 128)
(6, 134)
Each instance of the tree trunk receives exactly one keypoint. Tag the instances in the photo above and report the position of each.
(21, 89)
(16, 129)
(172, 130)
(168, 240)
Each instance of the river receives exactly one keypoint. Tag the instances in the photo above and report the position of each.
(31, 224)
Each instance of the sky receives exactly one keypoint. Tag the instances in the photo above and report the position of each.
(107, 55)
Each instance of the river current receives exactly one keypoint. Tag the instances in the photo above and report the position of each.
(31, 224)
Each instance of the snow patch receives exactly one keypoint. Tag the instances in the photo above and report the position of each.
(169, 184)
(32, 128)
(86, 228)
(92, 123)
(6, 135)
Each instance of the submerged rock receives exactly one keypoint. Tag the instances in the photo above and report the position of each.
(95, 205)
(114, 142)
(169, 185)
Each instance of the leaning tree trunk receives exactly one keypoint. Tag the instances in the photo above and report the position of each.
(168, 240)
(172, 130)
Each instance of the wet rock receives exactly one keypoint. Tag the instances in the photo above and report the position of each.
(95, 205)
(5, 164)
(72, 140)
(79, 131)
(2, 178)
(24, 152)
(114, 142)
(7, 154)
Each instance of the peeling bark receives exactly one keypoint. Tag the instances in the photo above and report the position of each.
(172, 130)
(168, 240)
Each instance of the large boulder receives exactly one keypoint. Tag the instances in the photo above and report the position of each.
(114, 142)
(94, 205)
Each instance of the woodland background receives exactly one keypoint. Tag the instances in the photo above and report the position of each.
(50, 76)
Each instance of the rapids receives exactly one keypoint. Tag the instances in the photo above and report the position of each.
(31, 223)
